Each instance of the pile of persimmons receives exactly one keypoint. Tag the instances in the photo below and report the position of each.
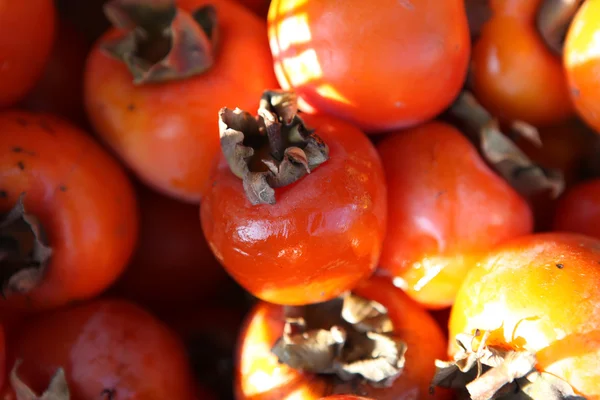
(299, 199)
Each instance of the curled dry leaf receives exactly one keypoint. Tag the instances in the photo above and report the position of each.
(349, 337)
(553, 20)
(162, 42)
(24, 253)
(57, 389)
(271, 150)
(487, 372)
(502, 153)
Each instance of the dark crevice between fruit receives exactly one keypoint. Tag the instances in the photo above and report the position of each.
(271, 150)
(349, 338)
(24, 251)
(497, 148)
(553, 20)
(489, 372)
(57, 388)
(162, 42)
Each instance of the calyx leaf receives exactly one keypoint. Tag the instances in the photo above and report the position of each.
(328, 338)
(525, 176)
(58, 388)
(162, 42)
(488, 373)
(24, 253)
(273, 149)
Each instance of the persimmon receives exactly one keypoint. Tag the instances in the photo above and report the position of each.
(533, 302)
(578, 210)
(153, 96)
(172, 265)
(68, 213)
(381, 68)
(446, 209)
(26, 37)
(581, 62)
(59, 90)
(344, 397)
(297, 207)
(266, 359)
(535, 91)
(105, 349)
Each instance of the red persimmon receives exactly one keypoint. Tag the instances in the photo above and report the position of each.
(578, 210)
(68, 213)
(534, 91)
(157, 110)
(260, 375)
(108, 349)
(446, 208)
(172, 265)
(379, 67)
(581, 62)
(286, 235)
(26, 37)
(538, 295)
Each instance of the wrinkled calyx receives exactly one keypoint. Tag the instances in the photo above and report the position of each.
(488, 372)
(271, 150)
(524, 175)
(553, 20)
(348, 337)
(58, 388)
(24, 252)
(162, 42)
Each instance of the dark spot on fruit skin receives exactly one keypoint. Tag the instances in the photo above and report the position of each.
(21, 165)
(22, 121)
(3, 194)
(131, 107)
(62, 188)
(575, 92)
(46, 127)
(560, 266)
(108, 394)
(19, 149)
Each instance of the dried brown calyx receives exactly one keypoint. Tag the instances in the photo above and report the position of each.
(350, 338)
(24, 252)
(489, 372)
(57, 389)
(553, 20)
(524, 175)
(162, 42)
(271, 150)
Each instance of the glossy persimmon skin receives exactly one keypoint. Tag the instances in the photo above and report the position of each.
(259, 375)
(539, 293)
(82, 197)
(172, 266)
(322, 236)
(168, 133)
(446, 208)
(582, 62)
(535, 91)
(26, 37)
(105, 345)
(381, 68)
(578, 209)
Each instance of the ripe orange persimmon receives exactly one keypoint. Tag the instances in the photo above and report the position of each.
(108, 349)
(578, 210)
(260, 375)
(534, 91)
(539, 294)
(68, 213)
(379, 67)
(446, 208)
(581, 62)
(172, 266)
(286, 235)
(161, 119)
(26, 37)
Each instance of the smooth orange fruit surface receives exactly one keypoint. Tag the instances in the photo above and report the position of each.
(539, 293)
(385, 66)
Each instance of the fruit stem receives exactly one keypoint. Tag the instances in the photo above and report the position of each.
(24, 252)
(272, 150)
(553, 20)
